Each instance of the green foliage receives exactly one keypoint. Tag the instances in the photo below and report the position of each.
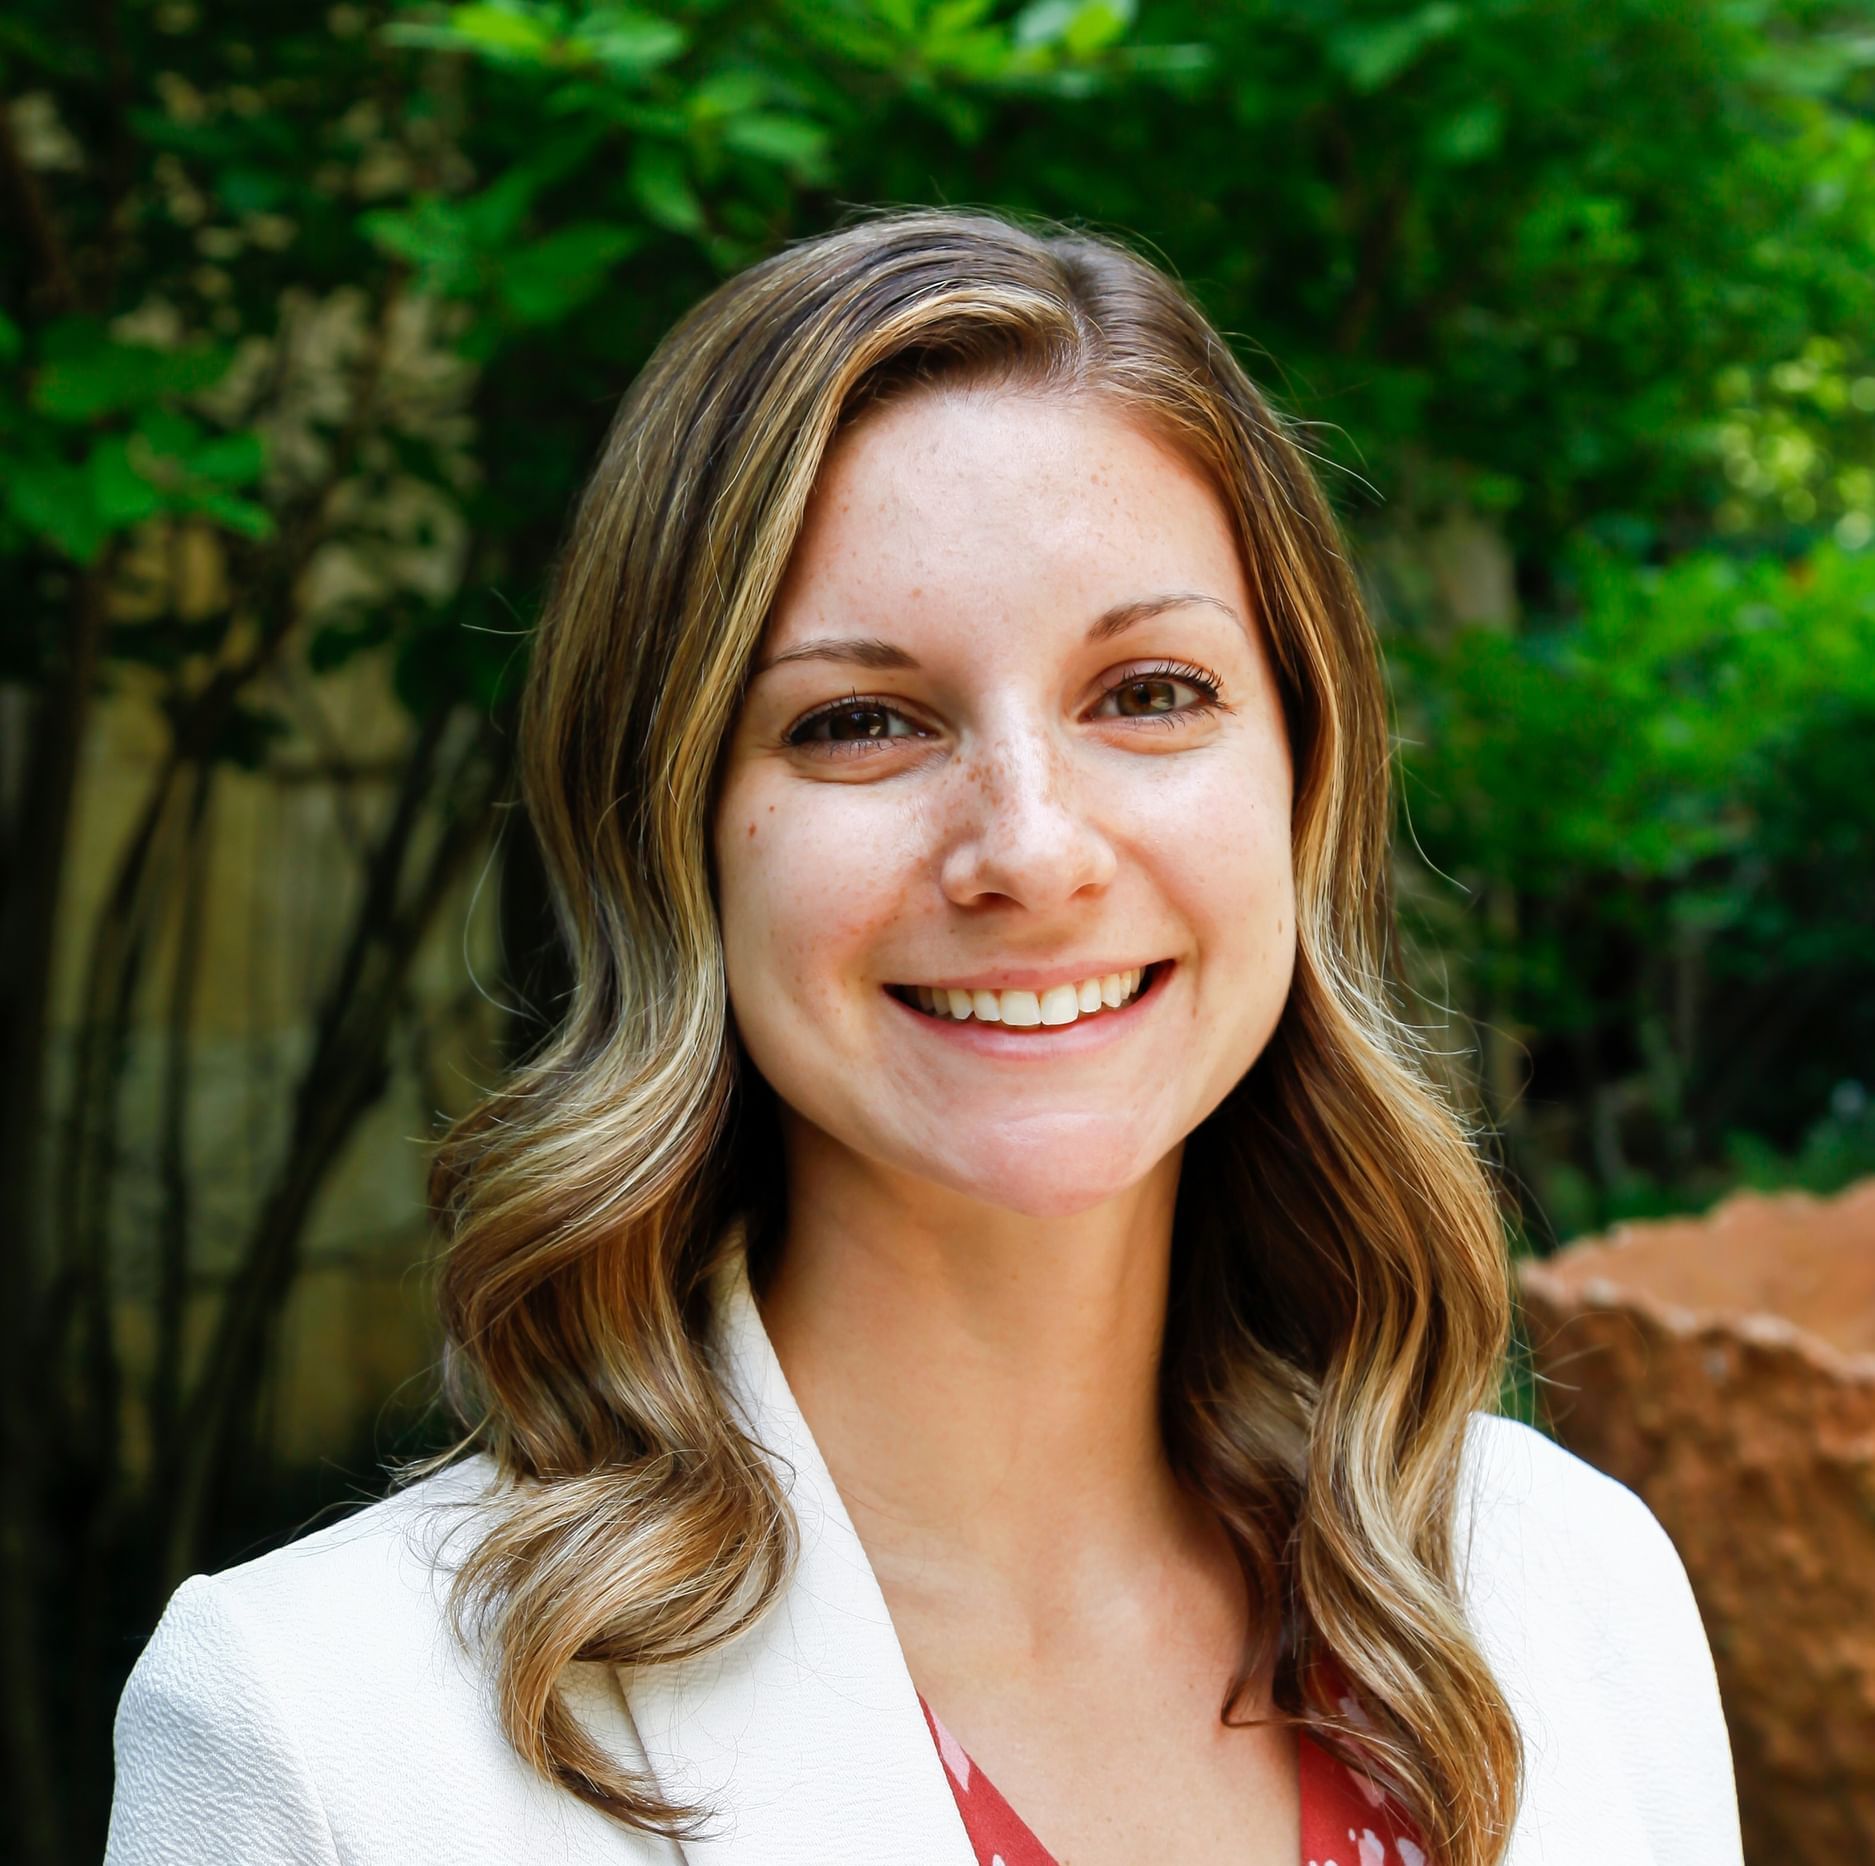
(554, 181)
(1505, 251)
(1836, 1151)
(333, 303)
(1636, 739)
(1672, 781)
(98, 444)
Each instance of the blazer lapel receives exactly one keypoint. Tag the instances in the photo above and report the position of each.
(805, 1737)
(805, 1734)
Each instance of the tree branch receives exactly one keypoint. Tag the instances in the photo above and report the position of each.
(345, 1076)
(36, 847)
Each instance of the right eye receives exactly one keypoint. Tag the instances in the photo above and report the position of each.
(852, 722)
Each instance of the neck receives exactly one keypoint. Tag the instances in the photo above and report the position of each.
(984, 1386)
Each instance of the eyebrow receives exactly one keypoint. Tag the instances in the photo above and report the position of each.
(870, 651)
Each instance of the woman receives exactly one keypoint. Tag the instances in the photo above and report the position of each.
(980, 1288)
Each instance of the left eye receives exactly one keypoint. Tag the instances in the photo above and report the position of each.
(1148, 695)
(1139, 698)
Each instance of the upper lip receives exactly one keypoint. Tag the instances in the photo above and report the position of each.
(1032, 977)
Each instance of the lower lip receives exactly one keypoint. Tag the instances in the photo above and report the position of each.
(1038, 1043)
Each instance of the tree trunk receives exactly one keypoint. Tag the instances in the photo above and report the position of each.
(34, 872)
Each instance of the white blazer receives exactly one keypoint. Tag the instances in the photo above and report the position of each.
(311, 1706)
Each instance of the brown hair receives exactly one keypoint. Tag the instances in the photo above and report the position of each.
(1340, 1299)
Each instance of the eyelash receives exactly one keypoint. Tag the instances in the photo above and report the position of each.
(1210, 700)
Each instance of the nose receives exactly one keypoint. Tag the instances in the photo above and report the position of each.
(1022, 828)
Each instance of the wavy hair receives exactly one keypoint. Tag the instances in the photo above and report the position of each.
(1340, 1301)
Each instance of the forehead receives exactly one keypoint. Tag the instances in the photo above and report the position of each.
(992, 503)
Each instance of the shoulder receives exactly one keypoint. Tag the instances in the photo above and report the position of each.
(1531, 1512)
(352, 1618)
(1518, 1486)
(1541, 1534)
(316, 1704)
(379, 1575)
(1584, 1608)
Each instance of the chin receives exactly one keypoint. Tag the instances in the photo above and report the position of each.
(1041, 1174)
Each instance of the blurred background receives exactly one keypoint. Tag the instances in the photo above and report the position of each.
(311, 319)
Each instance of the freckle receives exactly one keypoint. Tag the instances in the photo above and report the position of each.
(751, 829)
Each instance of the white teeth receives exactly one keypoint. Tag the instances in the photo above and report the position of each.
(1021, 1007)
(1058, 1005)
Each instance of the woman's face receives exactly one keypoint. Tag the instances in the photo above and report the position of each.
(1013, 751)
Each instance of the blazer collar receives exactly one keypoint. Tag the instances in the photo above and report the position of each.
(804, 1734)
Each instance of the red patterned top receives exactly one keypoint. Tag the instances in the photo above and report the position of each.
(1346, 1819)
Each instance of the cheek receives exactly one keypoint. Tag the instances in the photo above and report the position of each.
(1224, 857)
(803, 892)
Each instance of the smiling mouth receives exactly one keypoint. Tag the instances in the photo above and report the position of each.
(1053, 1009)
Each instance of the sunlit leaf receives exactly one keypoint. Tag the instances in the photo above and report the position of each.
(235, 514)
(1081, 27)
(795, 142)
(231, 460)
(628, 44)
(661, 182)
(120, 494)
(551, 277)
(1374, 53)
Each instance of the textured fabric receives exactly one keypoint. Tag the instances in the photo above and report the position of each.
(312, 1706)
(1346, 1818)
(1343, 1814)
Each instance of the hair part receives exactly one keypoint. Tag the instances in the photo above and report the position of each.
(1340, 1302)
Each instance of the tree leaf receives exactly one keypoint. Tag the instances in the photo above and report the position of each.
(56, 501)
(545, 281)
(627, 43)
(793, 142)
(238, 515)
(1374, 53)
(1080, 27)
(660, 182)
(230, 460)
(506, 34)
(115, 376)
(119, 493)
